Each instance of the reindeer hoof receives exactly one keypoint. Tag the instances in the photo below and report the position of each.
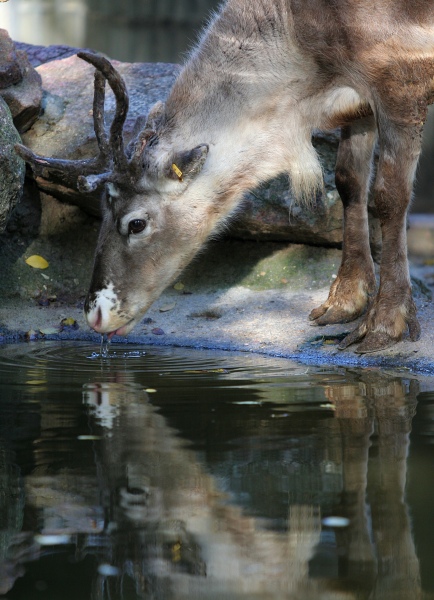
(372, 342)
(316, 313)
(414, 328)
(353, 337)
(376, 341)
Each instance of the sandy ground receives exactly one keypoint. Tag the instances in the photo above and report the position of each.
(269, 321)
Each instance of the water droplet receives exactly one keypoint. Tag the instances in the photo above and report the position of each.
(104, 348)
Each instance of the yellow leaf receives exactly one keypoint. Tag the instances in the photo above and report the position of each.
(178, 286)
(37, 262)
(68, 321)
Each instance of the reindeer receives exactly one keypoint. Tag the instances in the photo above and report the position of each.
(264, 74)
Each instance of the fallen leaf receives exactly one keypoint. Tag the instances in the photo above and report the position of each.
(157, 331)
(178, 286)
(68, 323)
(37, 262)
(167, 307)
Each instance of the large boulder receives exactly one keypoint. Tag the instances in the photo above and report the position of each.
(12, 168)
(65, 130)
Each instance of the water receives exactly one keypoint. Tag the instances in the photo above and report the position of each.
(166, 473)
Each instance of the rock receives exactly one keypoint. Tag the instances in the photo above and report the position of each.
(12, 168)
(39, 55)
(271, 213)
(65, 130)
(10, 69)
(20, 84)
(25, 98)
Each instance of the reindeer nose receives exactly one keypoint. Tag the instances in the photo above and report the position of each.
(94, 319)
(97, 312)
(101, 310)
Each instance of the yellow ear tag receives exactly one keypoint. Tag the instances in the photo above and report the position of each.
(177, 171)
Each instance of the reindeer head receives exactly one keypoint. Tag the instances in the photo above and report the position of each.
(148, 234)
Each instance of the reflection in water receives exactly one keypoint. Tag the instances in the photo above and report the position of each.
(224, 486)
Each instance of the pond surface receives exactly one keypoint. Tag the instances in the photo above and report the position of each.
(166, 473)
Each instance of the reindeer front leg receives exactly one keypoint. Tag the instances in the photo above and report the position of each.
(393, 310)
(355, 283)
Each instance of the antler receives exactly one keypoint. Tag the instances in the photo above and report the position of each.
(111, 161)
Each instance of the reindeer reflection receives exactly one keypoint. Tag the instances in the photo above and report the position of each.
(156, 522)
(373, 424)
(174, 534)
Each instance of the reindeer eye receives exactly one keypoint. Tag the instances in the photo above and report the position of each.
(136, 226)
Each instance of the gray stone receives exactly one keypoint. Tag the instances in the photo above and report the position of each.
(12, 168)
(20, 84)
(24, 99)
(10, 69)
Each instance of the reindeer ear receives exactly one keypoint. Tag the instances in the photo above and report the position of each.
(186, 165)
(144, 129)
